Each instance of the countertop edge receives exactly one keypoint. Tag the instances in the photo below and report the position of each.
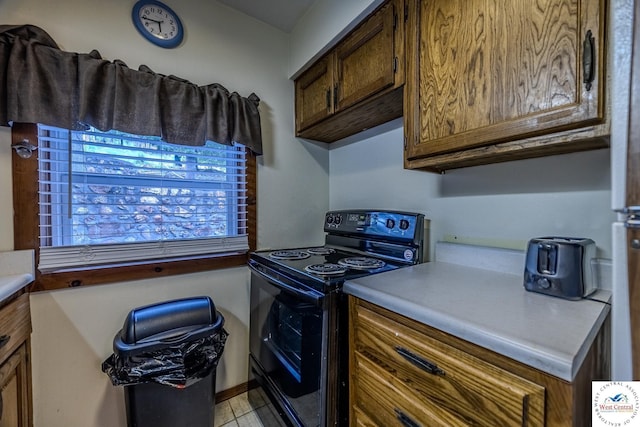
(13, 283)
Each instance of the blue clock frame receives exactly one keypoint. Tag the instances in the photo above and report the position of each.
(140, 25)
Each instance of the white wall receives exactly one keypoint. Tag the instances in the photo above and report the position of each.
(6, 209)
(501, 205)
(73, 329)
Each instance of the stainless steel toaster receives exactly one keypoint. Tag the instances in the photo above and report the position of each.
(560, 266)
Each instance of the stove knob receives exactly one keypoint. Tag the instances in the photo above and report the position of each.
(338, 219)
(404, 224)
(329, 219)
(390, 223)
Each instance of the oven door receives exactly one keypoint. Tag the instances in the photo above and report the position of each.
(288, 344)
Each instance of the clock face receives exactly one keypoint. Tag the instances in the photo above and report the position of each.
(157, 23)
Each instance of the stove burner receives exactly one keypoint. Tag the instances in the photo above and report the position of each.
(362, 263)
(327, 269)
(289, 255)
(321, 251)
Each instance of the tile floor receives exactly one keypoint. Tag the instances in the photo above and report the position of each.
(237, 412)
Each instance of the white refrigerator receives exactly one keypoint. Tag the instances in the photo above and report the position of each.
(625, 182)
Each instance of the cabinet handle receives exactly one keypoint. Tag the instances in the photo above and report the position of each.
(418, 361)
(328, 99)
(335, 97)
(404, 419)
(588, 59)
(4, 339)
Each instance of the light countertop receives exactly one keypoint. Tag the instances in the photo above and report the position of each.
(493, 310)
(17, 270)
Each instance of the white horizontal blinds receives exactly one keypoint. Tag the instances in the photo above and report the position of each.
(118, 198)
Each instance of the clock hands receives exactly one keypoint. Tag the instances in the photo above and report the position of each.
(152, 20)
(157, 22)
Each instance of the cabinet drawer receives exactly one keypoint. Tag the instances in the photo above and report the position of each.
(373, 388)
(478, 392)
(15, 325)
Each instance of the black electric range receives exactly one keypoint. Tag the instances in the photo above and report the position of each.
(298, 321)
(358, 243)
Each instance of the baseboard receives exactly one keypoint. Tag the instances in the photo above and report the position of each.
(235, 391)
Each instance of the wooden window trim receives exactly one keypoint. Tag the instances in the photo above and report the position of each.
(26, 224)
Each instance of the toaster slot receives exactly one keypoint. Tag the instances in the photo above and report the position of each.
(547, 258)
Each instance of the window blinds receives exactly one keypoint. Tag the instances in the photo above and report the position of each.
(112, 198)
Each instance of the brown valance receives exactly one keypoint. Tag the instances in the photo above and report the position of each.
(39, 83)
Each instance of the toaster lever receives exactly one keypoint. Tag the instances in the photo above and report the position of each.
(547, 257)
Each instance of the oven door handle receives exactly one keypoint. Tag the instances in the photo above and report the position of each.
(304, 295)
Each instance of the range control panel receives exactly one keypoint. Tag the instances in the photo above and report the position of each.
(386, 224)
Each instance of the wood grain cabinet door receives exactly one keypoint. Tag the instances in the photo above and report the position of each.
(15, 368)
(359, 83)
(365, 61)
(481, 72)
(14, 390)
(314, 93)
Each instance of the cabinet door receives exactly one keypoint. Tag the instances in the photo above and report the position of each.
(482, 72)
(14, 393)
(314, 97)
(365, 61)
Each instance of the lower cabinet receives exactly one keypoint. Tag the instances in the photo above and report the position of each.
(14, 401)
(404, 373)
(15, 368)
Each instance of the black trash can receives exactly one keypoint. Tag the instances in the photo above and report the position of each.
(166, 356)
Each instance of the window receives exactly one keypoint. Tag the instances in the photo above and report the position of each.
(120, 203)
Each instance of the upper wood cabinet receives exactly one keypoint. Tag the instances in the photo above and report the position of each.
(489, 81)
(358, 84)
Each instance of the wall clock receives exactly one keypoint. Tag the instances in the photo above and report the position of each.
(157, 23)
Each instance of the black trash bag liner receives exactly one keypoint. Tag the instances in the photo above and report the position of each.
(177, 366)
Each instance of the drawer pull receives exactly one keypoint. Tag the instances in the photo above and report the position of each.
(418, 361)
(4, 339)
(405, 419)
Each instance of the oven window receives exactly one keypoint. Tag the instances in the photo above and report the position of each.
(294, 335)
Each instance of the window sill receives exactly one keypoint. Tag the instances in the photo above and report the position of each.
(121, 273)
